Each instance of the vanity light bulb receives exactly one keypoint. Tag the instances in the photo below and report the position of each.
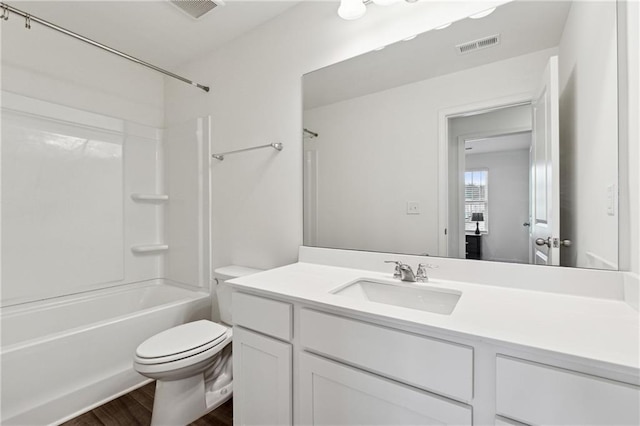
(385, 2)
(351, 9)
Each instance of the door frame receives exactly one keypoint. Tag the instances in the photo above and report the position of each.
(462, 139)
(444, 115)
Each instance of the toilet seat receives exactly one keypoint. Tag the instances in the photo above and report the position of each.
(183, 341)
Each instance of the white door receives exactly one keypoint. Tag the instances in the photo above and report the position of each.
(335, 394)
(262, 377)
(545, 223)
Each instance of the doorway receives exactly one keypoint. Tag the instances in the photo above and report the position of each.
(496, 197)
(489, 199)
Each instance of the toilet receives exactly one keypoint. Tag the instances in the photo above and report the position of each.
(191, 363)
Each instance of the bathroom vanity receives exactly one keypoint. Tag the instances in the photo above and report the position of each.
(308, 352)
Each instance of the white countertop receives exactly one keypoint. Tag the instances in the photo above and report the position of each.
(602, 330)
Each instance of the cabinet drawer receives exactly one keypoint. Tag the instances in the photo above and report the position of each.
(334, 394)
(267, 316)
(430, 364)
(539, 394)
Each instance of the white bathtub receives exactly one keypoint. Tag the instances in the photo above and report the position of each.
(64, 356)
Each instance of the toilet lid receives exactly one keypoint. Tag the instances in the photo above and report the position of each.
(181, 341)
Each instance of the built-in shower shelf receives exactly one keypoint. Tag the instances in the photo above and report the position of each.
(150, 248)
(150, 198)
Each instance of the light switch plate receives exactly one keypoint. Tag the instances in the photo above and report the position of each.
(413, 207)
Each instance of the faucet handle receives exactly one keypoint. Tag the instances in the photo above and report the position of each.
(396, 273)
(421, 273)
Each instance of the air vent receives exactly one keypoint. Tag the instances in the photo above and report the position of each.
(482, 43)
(196, 8)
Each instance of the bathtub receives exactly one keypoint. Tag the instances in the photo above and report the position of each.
(65, 356)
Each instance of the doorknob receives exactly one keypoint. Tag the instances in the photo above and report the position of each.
(557, 242)
(526, 224)
(563, 243)
(543, 242)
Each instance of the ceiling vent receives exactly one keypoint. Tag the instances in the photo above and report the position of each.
(482, 43)
(196, 8)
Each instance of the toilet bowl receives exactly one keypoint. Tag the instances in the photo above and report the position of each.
(191, 363)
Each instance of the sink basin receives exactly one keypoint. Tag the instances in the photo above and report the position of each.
(429, 299)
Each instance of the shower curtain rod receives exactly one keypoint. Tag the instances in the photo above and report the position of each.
(7, 9)
(310, 133)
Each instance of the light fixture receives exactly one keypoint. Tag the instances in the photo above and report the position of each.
(354, 9)
(351, 9)
(385, 2)
(483, 13)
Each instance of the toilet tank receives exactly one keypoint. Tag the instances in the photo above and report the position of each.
(223, 291)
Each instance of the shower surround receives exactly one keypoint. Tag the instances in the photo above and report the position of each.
(96, 253)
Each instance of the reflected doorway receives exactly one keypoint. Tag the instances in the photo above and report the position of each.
(489, 183)
(496, 197)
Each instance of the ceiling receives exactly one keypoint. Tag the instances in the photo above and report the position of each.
(156, 31)
(524, 27)
(509, 142)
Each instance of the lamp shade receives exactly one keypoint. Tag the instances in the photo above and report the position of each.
(477, 217)
(351, 9)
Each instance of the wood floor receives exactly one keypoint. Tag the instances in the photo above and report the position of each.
(135, 408)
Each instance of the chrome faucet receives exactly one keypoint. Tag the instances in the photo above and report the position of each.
(406, 273)
(402, 271)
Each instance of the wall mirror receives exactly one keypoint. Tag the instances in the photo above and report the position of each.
(493, 138)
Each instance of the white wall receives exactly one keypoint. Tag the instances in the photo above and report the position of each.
(630, 140)
(633, 141)
(256, 98)
(364, 141)
(588, 134)
(43, 64)
(507, 240)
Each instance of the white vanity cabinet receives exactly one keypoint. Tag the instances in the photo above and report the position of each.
(262, 361)
(346, 369)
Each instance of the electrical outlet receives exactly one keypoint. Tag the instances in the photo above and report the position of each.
(413, 207)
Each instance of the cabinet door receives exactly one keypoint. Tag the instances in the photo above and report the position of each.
(544, 395)
(262, 370)
(334, 394)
